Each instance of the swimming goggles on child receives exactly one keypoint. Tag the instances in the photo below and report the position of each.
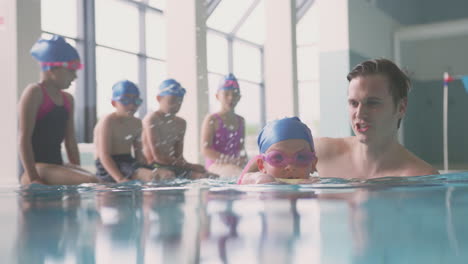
(72, 65)
(279, 159)
(130, 100)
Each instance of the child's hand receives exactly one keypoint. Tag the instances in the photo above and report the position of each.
(264, 178)
(123, 180)
(257, 178)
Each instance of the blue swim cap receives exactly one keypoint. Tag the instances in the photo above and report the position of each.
(55, 50)
(124, 87)
(229, 82)
(283, 129)
(171, 87)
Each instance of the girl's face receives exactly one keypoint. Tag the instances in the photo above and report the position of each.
(62, 77)
(291, 159)
(228, 98)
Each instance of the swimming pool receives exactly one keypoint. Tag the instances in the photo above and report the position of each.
(390, 220)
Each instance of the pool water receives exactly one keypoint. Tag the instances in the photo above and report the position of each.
(391, 220)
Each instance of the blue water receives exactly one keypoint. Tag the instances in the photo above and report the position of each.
(391, 220)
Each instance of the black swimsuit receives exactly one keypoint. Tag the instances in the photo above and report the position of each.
(126, 164)
(49, 130)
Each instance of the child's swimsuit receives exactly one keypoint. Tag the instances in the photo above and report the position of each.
(226, 141)
(49, 130)
(126, 164)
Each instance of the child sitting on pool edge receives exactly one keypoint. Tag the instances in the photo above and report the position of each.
(287, 154)
(117, 134)
(164, 132)
(223, 132)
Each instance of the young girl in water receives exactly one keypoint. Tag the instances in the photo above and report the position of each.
(223, 132)
(287, 154)
(46, 118)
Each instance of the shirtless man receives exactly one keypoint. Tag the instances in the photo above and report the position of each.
(116, 134)
(163, 134)
(377, 100)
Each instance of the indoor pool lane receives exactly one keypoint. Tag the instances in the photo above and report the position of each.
(417, 220)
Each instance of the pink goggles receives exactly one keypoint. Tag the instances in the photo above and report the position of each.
(279, 159)
(72, 65)
(231, 84)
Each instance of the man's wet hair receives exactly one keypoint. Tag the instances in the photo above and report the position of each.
(399, 81)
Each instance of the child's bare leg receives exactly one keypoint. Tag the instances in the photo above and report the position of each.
(75, 167)
(147, 175)
(61, 175)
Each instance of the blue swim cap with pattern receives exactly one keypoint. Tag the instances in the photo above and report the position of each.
(55, 52)
(171, 87)
(121, 88)
(229, 82)
(283, 129)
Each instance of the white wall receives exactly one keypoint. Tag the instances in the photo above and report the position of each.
(17, 35)
(8, 69)
(371, 30)
(334, 65)
(280, 60)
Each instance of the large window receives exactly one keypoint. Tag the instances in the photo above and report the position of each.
(125, 51)
(156, 74)
(111, 67)
(128, 39)
(217, 47)
(114, 31)
(234, 43)
(63, 23)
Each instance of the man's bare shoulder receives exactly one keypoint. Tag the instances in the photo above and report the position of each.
(327, 147)
(414, 166)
